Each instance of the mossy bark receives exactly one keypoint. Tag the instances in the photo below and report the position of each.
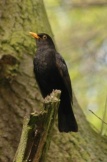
(19, 95)
(37, 131)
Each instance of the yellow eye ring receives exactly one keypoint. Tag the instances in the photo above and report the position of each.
(44, 37)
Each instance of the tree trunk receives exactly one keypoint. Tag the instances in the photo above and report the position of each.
(19, 93)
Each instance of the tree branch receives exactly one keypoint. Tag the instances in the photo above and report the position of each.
(98, 117)
(36, 133)
(89, 4)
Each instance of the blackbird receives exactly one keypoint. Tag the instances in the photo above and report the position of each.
(51, 73)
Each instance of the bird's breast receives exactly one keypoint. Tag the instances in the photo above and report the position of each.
(44, 62)
(41, 65)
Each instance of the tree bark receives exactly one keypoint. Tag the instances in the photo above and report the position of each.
(37, 131)
(19, 94)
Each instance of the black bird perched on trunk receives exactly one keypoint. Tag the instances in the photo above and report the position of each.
(51, 73)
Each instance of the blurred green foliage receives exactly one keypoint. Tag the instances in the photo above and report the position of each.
(81, 37)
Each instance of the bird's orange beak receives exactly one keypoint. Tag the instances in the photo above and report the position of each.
(34, 35)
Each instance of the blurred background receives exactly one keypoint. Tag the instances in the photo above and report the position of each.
(80, 32)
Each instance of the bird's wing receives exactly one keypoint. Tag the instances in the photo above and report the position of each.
(63, 71)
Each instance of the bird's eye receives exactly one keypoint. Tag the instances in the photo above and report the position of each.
(44, 37)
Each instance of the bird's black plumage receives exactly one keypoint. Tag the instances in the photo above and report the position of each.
(51, 73)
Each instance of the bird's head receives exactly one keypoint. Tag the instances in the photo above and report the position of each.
(43, 39)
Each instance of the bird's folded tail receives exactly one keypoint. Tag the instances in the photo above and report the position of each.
(66, 118)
